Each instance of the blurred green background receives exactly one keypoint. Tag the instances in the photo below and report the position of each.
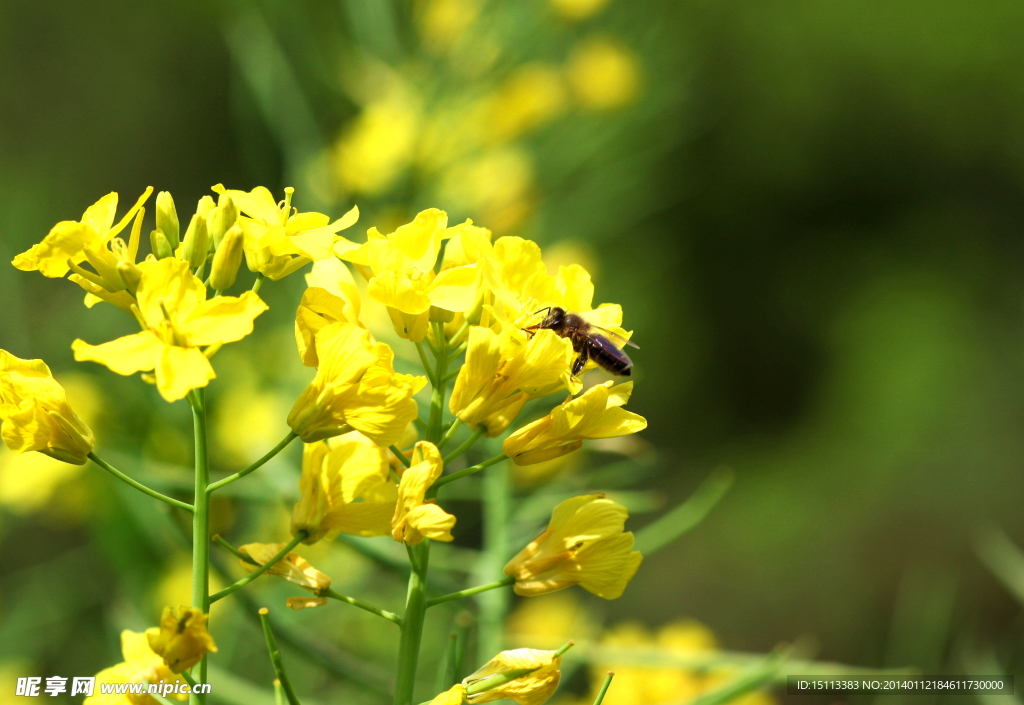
(809, 211)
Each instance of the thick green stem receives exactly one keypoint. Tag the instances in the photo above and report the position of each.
(437, 394)
(275, 658)
(412, 623)
(259, 571)
(200, 525)
(504, 582)
(138, 485)
(494, 605)
(213, 487)
(390, 616)
(258, 283)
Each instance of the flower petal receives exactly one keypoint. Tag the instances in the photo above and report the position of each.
(180, 370)
(223, 319)
(126, 355)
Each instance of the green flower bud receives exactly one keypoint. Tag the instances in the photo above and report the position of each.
(221, 218)
(167, 219)
(227, 260)
(161, 247)
(197, 238)
(440, 315)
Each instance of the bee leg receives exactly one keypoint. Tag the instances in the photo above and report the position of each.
(581, 362)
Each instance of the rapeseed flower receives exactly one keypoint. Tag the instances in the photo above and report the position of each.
(36, 414)
(452, 696)
(318, 309)
(503, 370)
(141, 664)
(277, 241)
(402, 265)
(69, 242)
(415, 518)
(293, 568)
(596, 413)
(344, 489)
(532, 688)
(177, 320)
(584, 545)
(181, 639)
(355, 387)
(578, 9)
(603, 74)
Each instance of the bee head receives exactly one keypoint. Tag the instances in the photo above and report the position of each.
(555, 317)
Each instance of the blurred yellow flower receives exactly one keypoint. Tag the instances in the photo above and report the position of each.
(72, 242)
(603, 74)
(177, 320)
(293, 568)
(140, 664)
(415, 519)
(344, 489)
(530, 689)
(596, 413)
(404, 280)
(502, 371)
(467, 244)
(355, 387)
(29, 481)
(452, 696)
(496, 184)
(578, 9)
(277, 241)
(181, 639)
(548, 620)
(379, 145)
(36, 414)
(529, 98)
(443, 22)
(246, 406)
(583, 544)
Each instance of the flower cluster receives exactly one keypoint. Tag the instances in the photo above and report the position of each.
(371, 466)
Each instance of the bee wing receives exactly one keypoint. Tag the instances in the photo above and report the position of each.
(610, 347)
(613, 337)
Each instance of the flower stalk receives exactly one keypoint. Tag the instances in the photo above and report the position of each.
(275, 658)
(200, 524)
(214, 486)
(139, 486)
(259, 571)
(505, 582)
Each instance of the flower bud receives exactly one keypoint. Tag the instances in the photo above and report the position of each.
(167, 219)
(220, 219)
(161, 245)
(131, 273)
(197, 238)
(227, 260)
(182, 638)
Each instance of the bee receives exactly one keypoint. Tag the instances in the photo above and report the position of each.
(590, 341)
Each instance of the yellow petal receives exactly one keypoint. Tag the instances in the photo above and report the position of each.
(168, 288)
(454, 289)
(180, 370)
(258, 203)
(223, 319)
(100, 215)
(420, 240)
(66, 241)
(452, 696)
(398, 291)
(125, 356)
(429, 521)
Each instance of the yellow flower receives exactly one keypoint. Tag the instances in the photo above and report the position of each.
(277, 241)
(466, 245)
(502, 371)
(378, 146)
(72, 242)
(181, 639)
(603, 74)
(533, 688)
(177, 320)
(316, 311)
(36, 414)
(140, 664)
(584, 544)
(404, 280)
(293, 568)
(529, 98)
(596, 413)
(452, 696)
(415, 519)
(344, 489)
(355, 387)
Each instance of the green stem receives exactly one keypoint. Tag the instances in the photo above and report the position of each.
(502, 678)
(390, 616)
(401, 456)
(451, 663)
(459, 350)
(231, 549)
(441, 481)
(504, 582)
(449, 433)
(200, 525)
(466, 445)
(461, 331)
(604, 688)
(494, 605)
(138, 485)
(258, 283)
(255, 466)
(259, 571)
(452, 375)
(425, 362)
(189, 679)
(279, 697)
(275, 658)
(437, 394)
(687, 515)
